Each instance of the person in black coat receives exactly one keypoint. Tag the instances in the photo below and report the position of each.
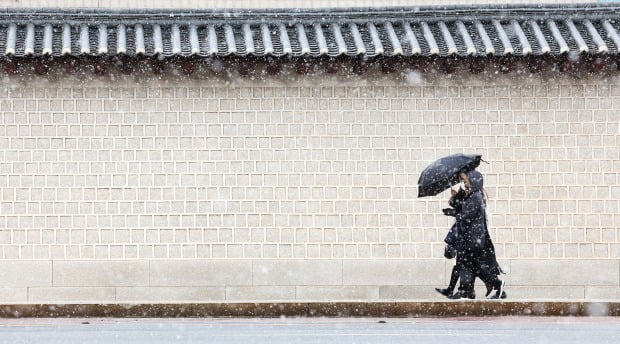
(475, 251)
(452, 241)
(453, 244)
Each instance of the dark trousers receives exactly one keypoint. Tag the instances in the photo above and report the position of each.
(466, 260)
(489, 278)
(471, 265)
(454, 277)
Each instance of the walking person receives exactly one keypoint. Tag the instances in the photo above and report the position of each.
(454, 244)
(452, 241)
(477, 254)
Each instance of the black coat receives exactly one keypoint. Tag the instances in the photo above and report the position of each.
(488, 260)
(470, 233)
(453, 238)
(475, 227)
(472, 222)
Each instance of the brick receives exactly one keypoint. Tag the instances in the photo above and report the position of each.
(564, 272)
(14, 295)
(26, 273)
(264, 293)
(407, 292)
(393, 272)
(200, 272)
(337, 293)
(546, 292)
(297, 272)
(169, 294)
(601, 293)
(71, 295)
(109, 273)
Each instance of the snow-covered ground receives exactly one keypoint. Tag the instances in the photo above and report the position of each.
(503, 330)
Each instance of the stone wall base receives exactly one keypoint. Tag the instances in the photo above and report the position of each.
(327, 309)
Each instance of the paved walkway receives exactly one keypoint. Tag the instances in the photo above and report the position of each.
(505, 330)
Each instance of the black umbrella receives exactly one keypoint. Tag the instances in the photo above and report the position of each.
(444, 173)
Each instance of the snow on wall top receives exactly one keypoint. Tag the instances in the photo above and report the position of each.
(408, 31)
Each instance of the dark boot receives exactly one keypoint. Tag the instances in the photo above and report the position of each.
(466, 289)
(499, 296)
(461, 295)
(445, 292)
(489, 289)
(500, 293)
(454, 278)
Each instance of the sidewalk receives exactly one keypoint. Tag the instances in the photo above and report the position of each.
(311, 330)
(318, 309)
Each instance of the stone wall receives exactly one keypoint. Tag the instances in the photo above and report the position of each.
(144, 189)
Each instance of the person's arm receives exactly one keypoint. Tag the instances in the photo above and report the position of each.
(452, 196)
(456, 199)
(449, 211)
(452, 202)
(471, 209)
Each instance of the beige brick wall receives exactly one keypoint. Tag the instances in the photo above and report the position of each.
(259, 3)
(139, 189)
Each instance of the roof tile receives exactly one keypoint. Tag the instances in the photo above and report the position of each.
(517, 30)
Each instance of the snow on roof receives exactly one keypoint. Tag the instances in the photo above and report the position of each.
(517, 30)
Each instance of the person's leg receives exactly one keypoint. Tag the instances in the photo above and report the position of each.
(486, 284)
(467, 283)
(492, 281)
(467, 274)
(488, 281)
(454, 278)
(499, 287)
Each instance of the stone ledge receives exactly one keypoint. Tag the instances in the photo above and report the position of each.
(312, 309)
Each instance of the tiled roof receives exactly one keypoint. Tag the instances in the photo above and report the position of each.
(442, 31)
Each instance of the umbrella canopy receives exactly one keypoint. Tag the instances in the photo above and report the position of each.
(444, 173)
